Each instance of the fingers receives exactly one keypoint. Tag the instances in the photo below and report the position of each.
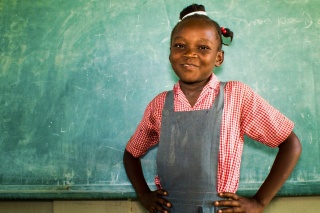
(162, 192)
(228, 210)
(161, 200)
(153, 201)
(232, 202)
(164, 202)
(157, 207)
(231, 195)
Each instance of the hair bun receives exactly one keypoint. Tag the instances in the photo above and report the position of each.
(190, 9)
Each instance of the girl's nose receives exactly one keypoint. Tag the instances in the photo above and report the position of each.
(190, 54)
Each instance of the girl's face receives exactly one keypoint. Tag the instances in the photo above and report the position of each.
(194, 51)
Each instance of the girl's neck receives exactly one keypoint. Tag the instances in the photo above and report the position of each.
(192, 91)
(193, 88)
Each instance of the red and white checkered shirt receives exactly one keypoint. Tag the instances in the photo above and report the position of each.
(245, 113)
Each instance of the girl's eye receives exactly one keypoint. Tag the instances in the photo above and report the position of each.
(180, 46)
(203, 47)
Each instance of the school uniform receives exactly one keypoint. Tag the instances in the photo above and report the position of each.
(242, 112)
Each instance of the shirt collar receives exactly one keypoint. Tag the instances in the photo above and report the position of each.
(213, 83)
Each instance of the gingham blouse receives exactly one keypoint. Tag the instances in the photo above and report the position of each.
(245, 113)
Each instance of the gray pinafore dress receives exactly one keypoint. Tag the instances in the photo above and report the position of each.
(187, 158)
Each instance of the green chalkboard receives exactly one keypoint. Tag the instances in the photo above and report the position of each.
(76, 76)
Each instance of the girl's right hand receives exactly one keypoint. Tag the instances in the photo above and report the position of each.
(153, 201)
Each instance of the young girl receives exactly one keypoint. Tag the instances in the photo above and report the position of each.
(200, 127)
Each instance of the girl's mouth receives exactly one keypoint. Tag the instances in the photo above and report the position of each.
(190, 66)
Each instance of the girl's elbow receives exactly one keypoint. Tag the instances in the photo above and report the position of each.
(293, 144)
(297, 145)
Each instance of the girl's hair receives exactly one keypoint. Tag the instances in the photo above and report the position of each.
(225, 32)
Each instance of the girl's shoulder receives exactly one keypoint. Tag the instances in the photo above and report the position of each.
(158, 101)
(237, 87)
(238, 91)
(160, 97)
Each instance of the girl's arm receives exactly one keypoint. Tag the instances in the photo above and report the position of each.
(151, 200)
(286, 159)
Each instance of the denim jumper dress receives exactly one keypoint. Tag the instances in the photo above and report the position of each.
(187, 159)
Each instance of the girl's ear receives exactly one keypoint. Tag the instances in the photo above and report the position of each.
(219, 58)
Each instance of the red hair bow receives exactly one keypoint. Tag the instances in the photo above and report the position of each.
(223, 30)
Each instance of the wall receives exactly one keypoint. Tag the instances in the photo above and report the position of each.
(278, 205)
(76, 76)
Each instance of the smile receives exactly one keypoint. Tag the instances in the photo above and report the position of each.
(190, 66)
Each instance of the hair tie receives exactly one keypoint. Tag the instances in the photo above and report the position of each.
(194, 13)
(223, 30)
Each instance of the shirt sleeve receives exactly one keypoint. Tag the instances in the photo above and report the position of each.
(147, 133)
(262, 122)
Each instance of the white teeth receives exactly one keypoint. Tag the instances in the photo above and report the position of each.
(189, 65)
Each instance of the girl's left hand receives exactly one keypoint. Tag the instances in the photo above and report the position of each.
(236, 203)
